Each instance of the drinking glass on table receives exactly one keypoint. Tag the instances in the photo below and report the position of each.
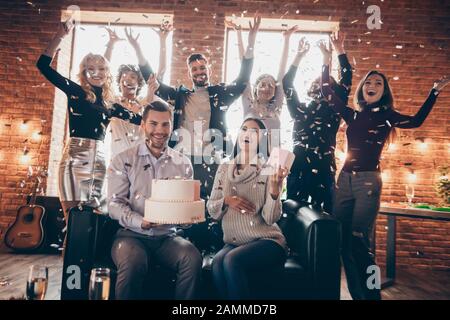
(99, 284)
(409, 191)
(37, 282)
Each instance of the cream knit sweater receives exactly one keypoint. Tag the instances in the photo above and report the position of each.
(238, 227)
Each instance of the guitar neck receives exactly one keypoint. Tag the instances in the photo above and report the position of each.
(34, 191)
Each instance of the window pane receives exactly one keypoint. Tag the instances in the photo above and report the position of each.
(93, 38)
(268, 50)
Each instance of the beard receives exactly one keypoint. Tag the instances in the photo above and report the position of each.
(157, 143)
(200, 80)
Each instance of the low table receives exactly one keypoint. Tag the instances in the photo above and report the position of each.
(392, 211)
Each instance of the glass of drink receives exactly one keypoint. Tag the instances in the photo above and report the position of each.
(99, 284)
(409, 191)
(37, 282)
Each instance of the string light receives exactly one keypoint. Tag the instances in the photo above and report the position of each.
(412, 177)
(25, 159)
(385, 175)
(423, 145)
(36, 135)
(392, 147)
(24, 126)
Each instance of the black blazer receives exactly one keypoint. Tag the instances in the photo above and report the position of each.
(221, 96)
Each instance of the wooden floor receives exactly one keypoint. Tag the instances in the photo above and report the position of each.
(411, 284)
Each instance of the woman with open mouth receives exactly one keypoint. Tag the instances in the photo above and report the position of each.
(82, 167)
(358, 190)
(248, 204)
(124, 134)
(266, 99)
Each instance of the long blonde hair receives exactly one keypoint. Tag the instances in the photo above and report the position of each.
(107, 92)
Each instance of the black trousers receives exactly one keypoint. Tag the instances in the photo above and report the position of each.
(312, 177)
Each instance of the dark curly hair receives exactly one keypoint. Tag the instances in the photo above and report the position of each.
(130, 67)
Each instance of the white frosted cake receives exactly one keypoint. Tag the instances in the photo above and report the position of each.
(175, 202)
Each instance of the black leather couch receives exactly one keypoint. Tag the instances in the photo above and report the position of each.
(312, 270)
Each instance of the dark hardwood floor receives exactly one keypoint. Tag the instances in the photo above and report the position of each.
(411, 284)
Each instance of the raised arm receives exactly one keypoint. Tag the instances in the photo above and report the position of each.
(233, 91)
(113, 38)
(238, 29)
(247, 61)
(334, 101)
(163, 32)
(407, 122)
(45, 60)
(133, 40)
(337, 40)
(296, 109)
(284, 55)
(247, 95)
(345, 69)
(252, 32)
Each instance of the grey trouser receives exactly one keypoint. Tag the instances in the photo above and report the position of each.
(132, 252)
(356, 204)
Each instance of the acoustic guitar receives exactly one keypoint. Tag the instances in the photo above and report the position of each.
(27, 232)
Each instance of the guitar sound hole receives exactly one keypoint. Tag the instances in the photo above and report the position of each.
(28, 218)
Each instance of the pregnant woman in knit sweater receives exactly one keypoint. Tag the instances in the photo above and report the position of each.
(248, 203)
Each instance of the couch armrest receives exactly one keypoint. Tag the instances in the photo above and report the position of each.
(316, 239)
(291, 207)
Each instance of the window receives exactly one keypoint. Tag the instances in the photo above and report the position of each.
(93, 37)
(90, 36)
(268, 50)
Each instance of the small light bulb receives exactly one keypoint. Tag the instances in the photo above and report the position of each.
(23, 126)
(385, 175)
(392, 147)
(412, 177)
(25, 159)
(36, 135)
(423, 146)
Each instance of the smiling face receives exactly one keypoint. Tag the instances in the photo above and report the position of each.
(129, 84)
(249, 137)
(96, 71)
(265, 89)
(157, 127)
(373, 88)
(199, 72)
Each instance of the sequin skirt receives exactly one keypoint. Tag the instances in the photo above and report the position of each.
(82, 171)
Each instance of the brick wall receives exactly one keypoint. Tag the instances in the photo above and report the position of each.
(419, 27)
